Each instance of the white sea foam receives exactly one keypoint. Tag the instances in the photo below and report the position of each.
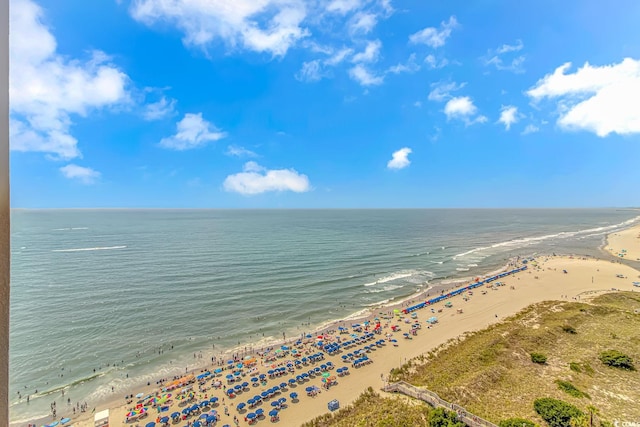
(70, 228)
(462, 269)
(412, 276)
(472, 265)
(562, 235)
(386, 288)
(99, 248)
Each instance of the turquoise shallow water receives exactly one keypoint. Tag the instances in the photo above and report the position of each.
(134, 294)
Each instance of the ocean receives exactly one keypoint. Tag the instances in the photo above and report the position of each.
(113, 299)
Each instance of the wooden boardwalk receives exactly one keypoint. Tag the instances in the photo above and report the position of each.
(434, 400)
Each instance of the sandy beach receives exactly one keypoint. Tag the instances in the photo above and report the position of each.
(625, 243)
(545, 279)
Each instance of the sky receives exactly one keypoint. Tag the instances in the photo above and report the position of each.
(324, 103)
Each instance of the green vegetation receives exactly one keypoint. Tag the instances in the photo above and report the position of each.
(616, 359)
(538, 358)
(516, 422)
(570, 389)
(442, 418)
(493, 376)
(372, 410)
(556, 412)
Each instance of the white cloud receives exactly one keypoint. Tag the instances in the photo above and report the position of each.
(363, 23)
(259, 25)
(433, 63)
(442, 90)
(433, 37)
(80, 173)
(601, 100)
(311, 71)
(159, 110)
(237, 151)
(508, 115)
(192, 132)
(495, 57)
(371, 53)
(344, 6)
(530, 129)
(462, 108)
(47, 90)
(364, 77)
(399, 159)
(410, 67)
(255, 179)
(338, 56)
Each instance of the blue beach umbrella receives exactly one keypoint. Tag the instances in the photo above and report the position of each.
(164, 420)
(250, 402)
(240, 405)
(259, 412)
(264, 394)
(251, 415)
(197, 424)
(257, 398)
(65, 420)
(245, 384)
(230, 362)
(195, 407)
(282, 400)
(203, 416)
(262, 376)
(275, 403)
(237, 387)
(229, 376)
(309, 389)
(213, 399)
(254, 379)
(54, 424)
(292, 381)
(273, 413)
(204, 404)
(175, 415)
(211, 419)
(293, 395)
(186, 411)
(151, 424)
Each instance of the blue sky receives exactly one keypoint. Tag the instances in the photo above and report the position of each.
(324, 103)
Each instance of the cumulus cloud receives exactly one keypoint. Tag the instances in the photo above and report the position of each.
(530, 129)
(433, 63)
(399, 159)
(602, 100)
(310, 71)
(192, 132)
(161, 109)
(344, 6)
(48, 90)
(434, 37)
(409, 67)
(80, 173)
(442, 90)
(496, 57)
(363, 76)
(508, 115)
(255, 179)
(237, 151)
(271, 26)
(363, 23)
(462, 108)
(371, 52)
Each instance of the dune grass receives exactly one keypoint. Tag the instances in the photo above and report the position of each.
(492, 375)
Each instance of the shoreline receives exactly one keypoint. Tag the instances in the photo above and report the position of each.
(321, 328)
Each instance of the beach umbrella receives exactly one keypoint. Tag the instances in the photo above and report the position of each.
(230, 362)
(273, 413)
(53, 424)
(257, 398)
(251, 415)
(292, 381)
(293, 395)
(309, 389)
(139, 395)
(237, 387)
(275, 403)
(250, 402)
(203, 416)
(197, 424)
(211, 419)
(175, 415)
(264, 394)
(254, 379)
(259, 412)
(151, 424)
(283, 385)
(245, 384)
(325, 374)
(65, 420)
(164, 420)
(195, 407)
(217, 370)
(213, 399)
(262, 376)
(186, 411)
(241, 405)
(229, 376)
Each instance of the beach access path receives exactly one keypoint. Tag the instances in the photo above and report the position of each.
(545, 279)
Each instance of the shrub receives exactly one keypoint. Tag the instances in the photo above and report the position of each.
(440, 417)
(616, 359)
(516, 422)
(556, 412)
(575, 367)
(570, 389)
(569, 329)
(538, 358)
(588, 369)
